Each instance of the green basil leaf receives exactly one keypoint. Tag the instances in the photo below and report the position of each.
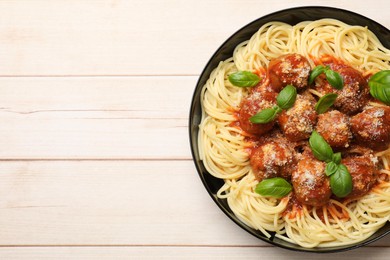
(277, 109)
(334, 79)
(374, 89)
(286, 97)
(331, 168)
(274, 187)
(325, 102)
(320, 148)
(244, 79)
(386, 95)
(341, 182)
(315, 73)
(336, 158)
(264, 116)
(380, 86)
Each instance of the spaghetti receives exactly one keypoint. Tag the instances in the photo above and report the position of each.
(224, 148)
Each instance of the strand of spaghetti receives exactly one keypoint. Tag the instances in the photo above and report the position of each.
(222, 146)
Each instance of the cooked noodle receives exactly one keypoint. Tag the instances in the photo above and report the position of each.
(222, 146)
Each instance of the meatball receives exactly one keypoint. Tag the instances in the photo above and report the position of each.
(288, 69)
(273, 159)
(298, 122)
(253, 104)
(334, 127)
(354, 95)
(364, 173)
(311, 185)
(372, 127)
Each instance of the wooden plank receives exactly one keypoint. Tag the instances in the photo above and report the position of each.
(95, 117)
(113, 203)
(130, 38)
(110, 203)
(99, 97)
(92, 137)
(182, 253)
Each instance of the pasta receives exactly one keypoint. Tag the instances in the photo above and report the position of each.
(223, 147)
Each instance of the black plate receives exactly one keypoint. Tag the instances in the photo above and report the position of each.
(291, 16)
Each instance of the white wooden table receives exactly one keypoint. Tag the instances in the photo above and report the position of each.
(95, 157)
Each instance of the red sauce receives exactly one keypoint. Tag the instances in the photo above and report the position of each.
(294, 208)
(351, 100)
(329, 60)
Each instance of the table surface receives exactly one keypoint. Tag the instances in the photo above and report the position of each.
(94, 109)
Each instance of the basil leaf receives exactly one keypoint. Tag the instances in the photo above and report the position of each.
(315, 73)
(325, 102)
(320, 148)
(331, 168)
(244, 79)
(274, 187)
(286, 97)
(277, 109)
(334, 79)
(380, 86)
(374, 89)
(336, 158)
(381, 93)
(264, 116)
(341, 182)
(386, 95)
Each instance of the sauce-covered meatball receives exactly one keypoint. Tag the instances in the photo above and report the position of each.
(288, 69)
(311, 185)
(298, 122)
(273, 159)
(364, 173)
(354, 95)
(254, 103)
(334, 127)
(372, 127)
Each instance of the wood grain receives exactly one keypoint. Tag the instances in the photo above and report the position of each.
(95, 118)
(149, 37)
(94, 101)
(193, 252)
(91, 137)
(110, 203)
(133, 97)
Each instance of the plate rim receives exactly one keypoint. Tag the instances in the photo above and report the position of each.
(194, 147)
